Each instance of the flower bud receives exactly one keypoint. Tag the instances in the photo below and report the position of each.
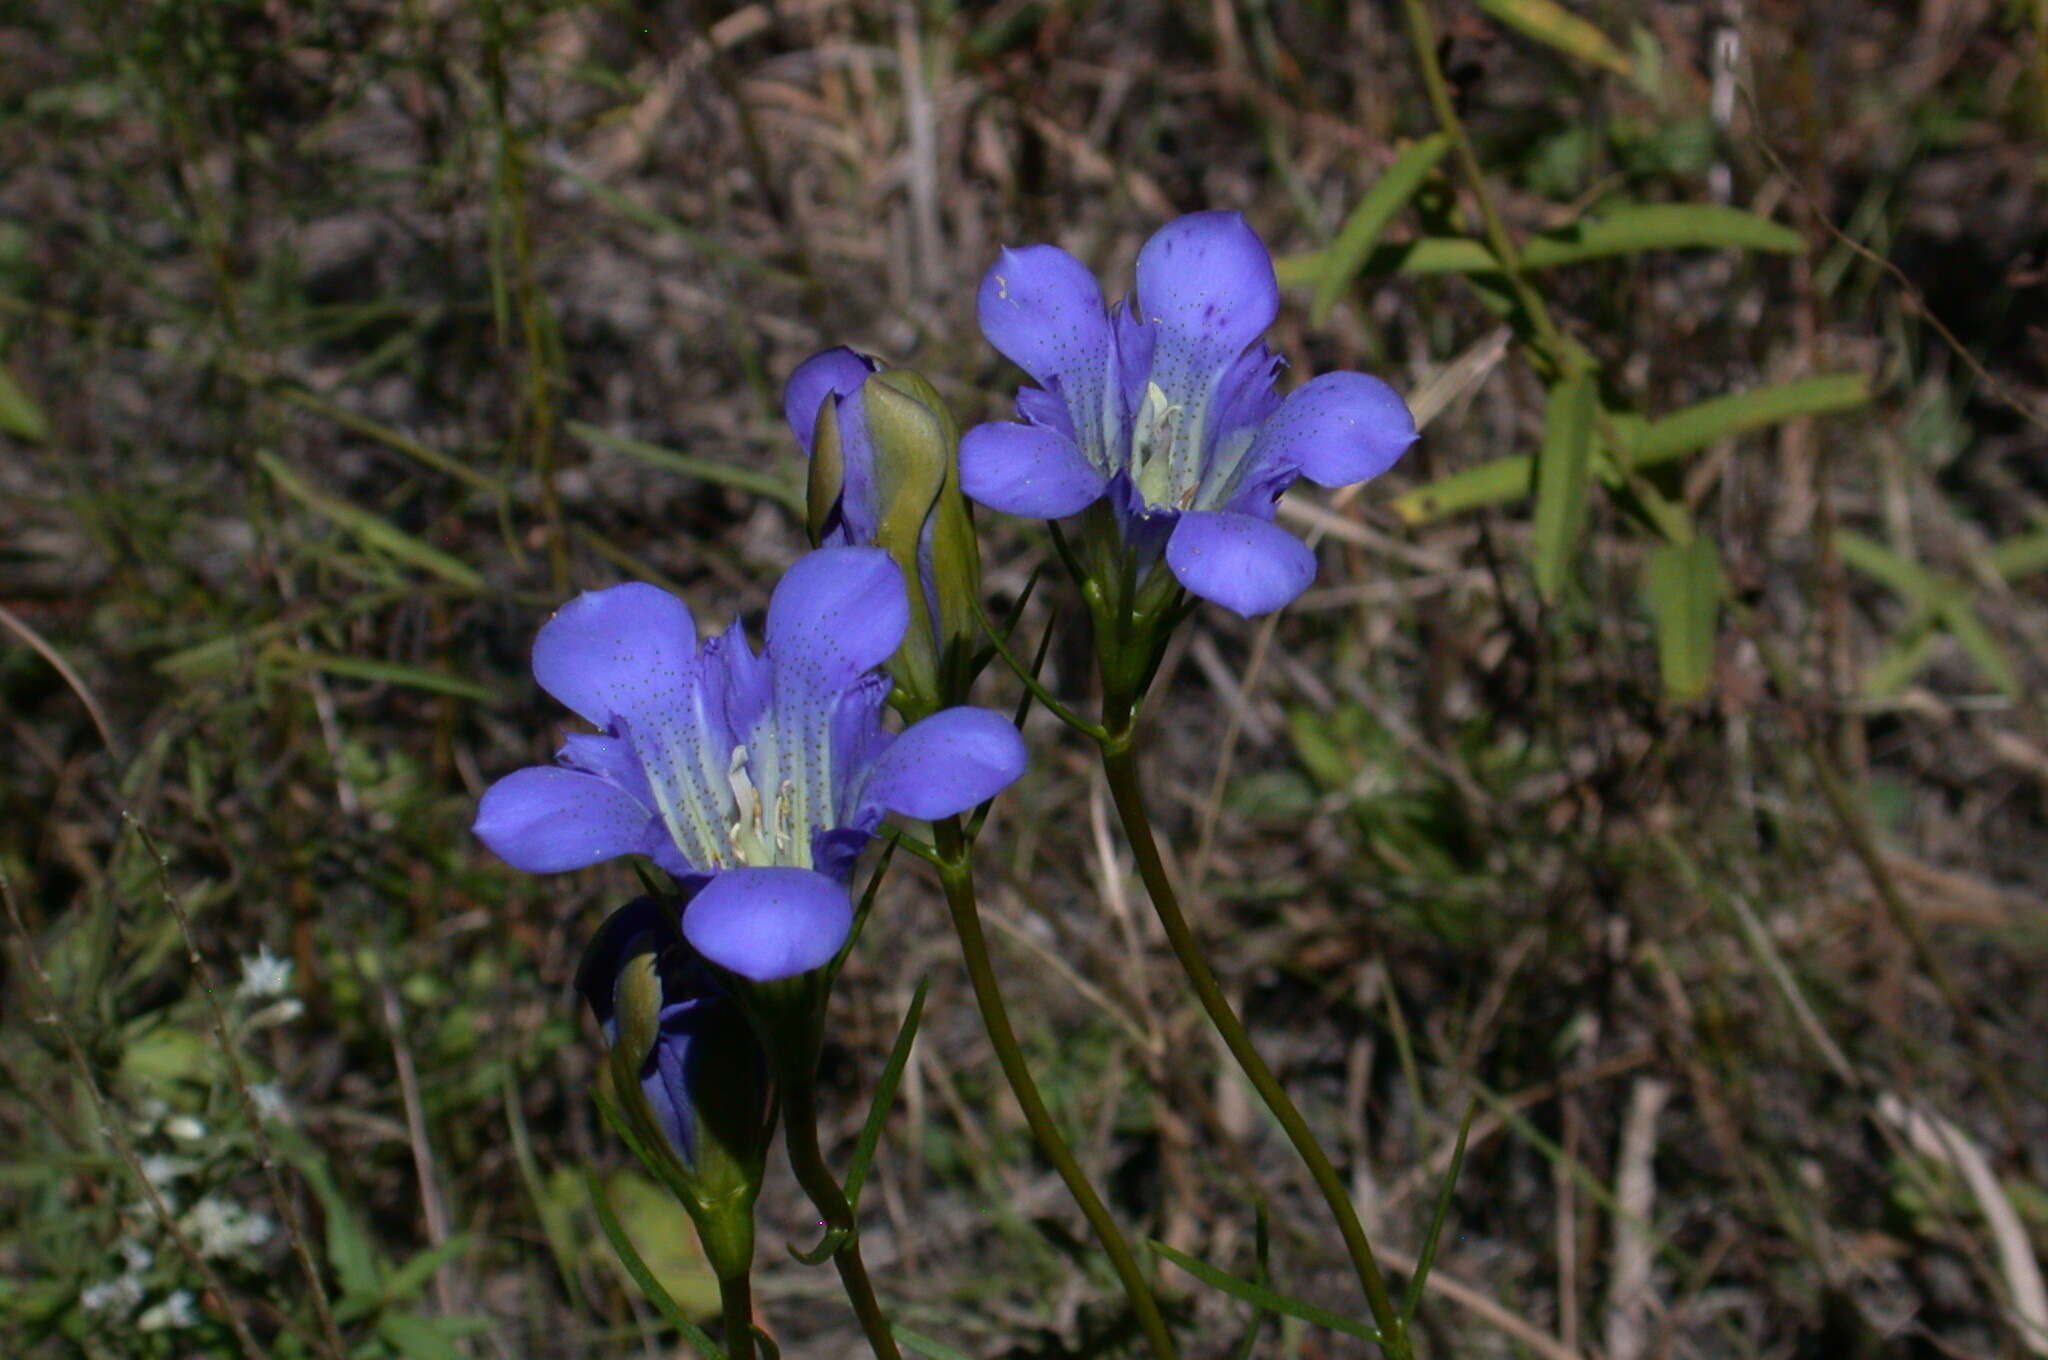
(885, 471)
(922, 522)
(684, 1075)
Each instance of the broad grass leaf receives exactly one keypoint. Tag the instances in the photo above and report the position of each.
(1361, 230)
(1682, 587)
(1658, 441)
(1557, 27)
(1625, 229)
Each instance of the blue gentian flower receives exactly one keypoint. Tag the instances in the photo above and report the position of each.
(755, 779)
(1165, 406)
(699, 1068)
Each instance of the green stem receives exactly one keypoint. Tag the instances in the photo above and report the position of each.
(956, 873)
(1119, 764)
(800, 1134)
(1563, 356)
(736, 1301)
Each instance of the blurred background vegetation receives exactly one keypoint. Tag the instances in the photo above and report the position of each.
(1681, 799)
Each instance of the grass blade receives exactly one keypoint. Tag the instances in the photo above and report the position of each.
(1564, 480)
(923, 1345)
(1659, 441)
(1555, 26)
(1682, 588)
(1426, 1258)
(699, 1340)
(1361, 231)
(885, 1095)
(1695, 427)
(384, 673)
(373, 531)
(703, 469)
(1272, 1300)
(19, 414)
(1625, 230)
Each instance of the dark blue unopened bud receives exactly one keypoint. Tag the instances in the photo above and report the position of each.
(685, 1076)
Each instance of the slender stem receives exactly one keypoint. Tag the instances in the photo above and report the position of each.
(956, 873)
(800, 1134)
(1565, 357)
(1030, 681)
(1119, 764)
(736, 1301)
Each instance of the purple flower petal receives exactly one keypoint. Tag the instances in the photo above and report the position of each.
(1337, 429)
(1242, 562)
(769, 923)
(610, 759)
(618, 653)
(947, 763)
(839, 370)
(1027, 470)
(836, 613)
(1206, 281)
(545, 820)
(1042, 308)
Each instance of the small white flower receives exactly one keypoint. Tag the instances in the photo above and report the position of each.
(268, 1098)
(173, 1311)
(135, 1257)
(184, 1128)
(117, 1295)
(264, 975)
(222, 1228)
(161, 1168)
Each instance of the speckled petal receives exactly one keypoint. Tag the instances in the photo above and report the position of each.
(618, 653)
(1242, 562)
(768, 924)
(1337, 429)
(1027, 470)
(545, 820)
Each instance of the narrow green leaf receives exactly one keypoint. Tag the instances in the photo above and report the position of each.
(1888, 568)
(699, 1340)
(1695, 427)
(885, 1095)
(349, 1252)
(2021, 555)
(1564, 480)
(1271, 1300)
(19, 414)
(1494, 483)
(1910, 649)
(1362, 228)
(1555, 26)
(384, 673)
(1625, 229)
(1262, 1254)
(1659, 441)
(1682, 588)
(1980, 645)
(926, 1346)
(411, 1277)
(371, 530)
(1947, 599)
(416, 1338)
(1426, 1258)
(703, 469)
